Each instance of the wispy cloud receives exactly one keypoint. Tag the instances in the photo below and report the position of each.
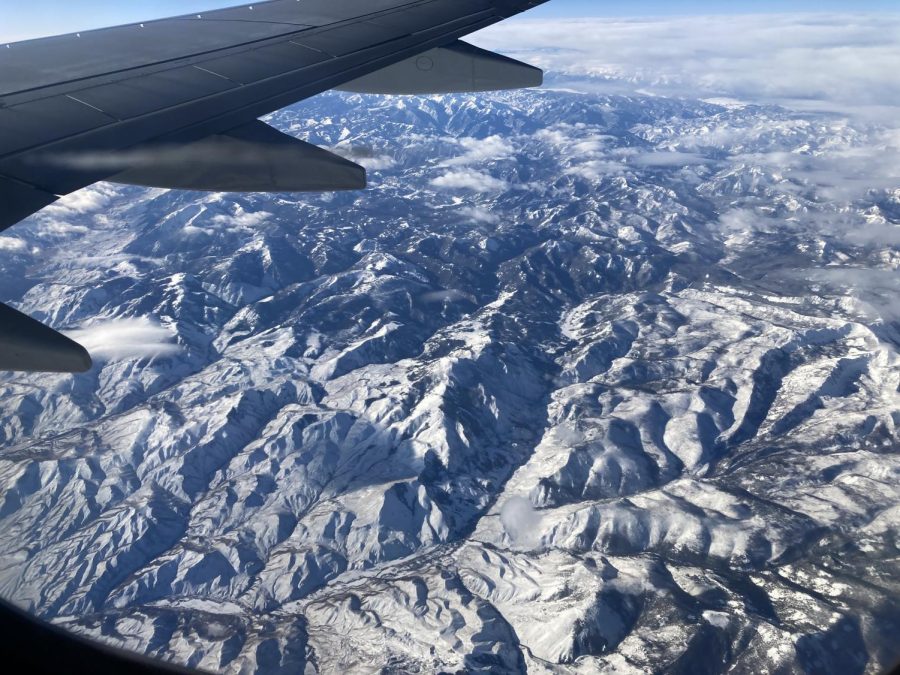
(67, 216)
(480, 150)
(836, 61)
(12, 244)
(475, 181)
(668, 159)
(480, 215)
(877, 290)
(84, 201)
(120, 339)
(366, 156)
(520, 521)
(242, 219)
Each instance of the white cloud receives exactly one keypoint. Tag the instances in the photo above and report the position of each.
(242, 219)
(53, 227)
(668, 159)
(840, 61)
(480, 150)
(480, 215)
(878, 291)
(12, 244)
(739, 221)
(120, 339)
(595, 170)
(377, 162)
(885, 234)
(469, 180)
(365, 156)
(520, 521)
(449, 296)
(88, 200)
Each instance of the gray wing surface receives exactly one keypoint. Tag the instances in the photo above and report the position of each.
(179, 80)
(161, 103)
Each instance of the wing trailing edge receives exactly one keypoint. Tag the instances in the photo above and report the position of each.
(19, 200)
(457, 68)
(29, 346)
(252, 158)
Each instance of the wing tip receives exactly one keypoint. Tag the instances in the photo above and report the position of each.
(28, 346)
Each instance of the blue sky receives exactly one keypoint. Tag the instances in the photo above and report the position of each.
(20, 20)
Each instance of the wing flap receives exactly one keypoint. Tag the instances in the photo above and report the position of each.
(458, 68)
(29, 346)
(252, 158)
(18, 201)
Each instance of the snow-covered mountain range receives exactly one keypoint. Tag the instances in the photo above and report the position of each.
(583, 383)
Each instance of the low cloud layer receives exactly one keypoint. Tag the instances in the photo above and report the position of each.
(831, 168)
(88, 200)
(840, 62)
(120, 339)
(520, 521)
(242, 219)
(480, 150)
(12, 244)
(465, 179)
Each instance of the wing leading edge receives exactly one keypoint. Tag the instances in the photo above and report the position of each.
(159, 103)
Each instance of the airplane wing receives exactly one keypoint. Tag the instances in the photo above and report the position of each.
(161, 103)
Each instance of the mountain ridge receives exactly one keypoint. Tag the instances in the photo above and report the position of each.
(567, 390)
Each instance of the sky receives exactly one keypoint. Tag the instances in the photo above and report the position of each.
(36, 18)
